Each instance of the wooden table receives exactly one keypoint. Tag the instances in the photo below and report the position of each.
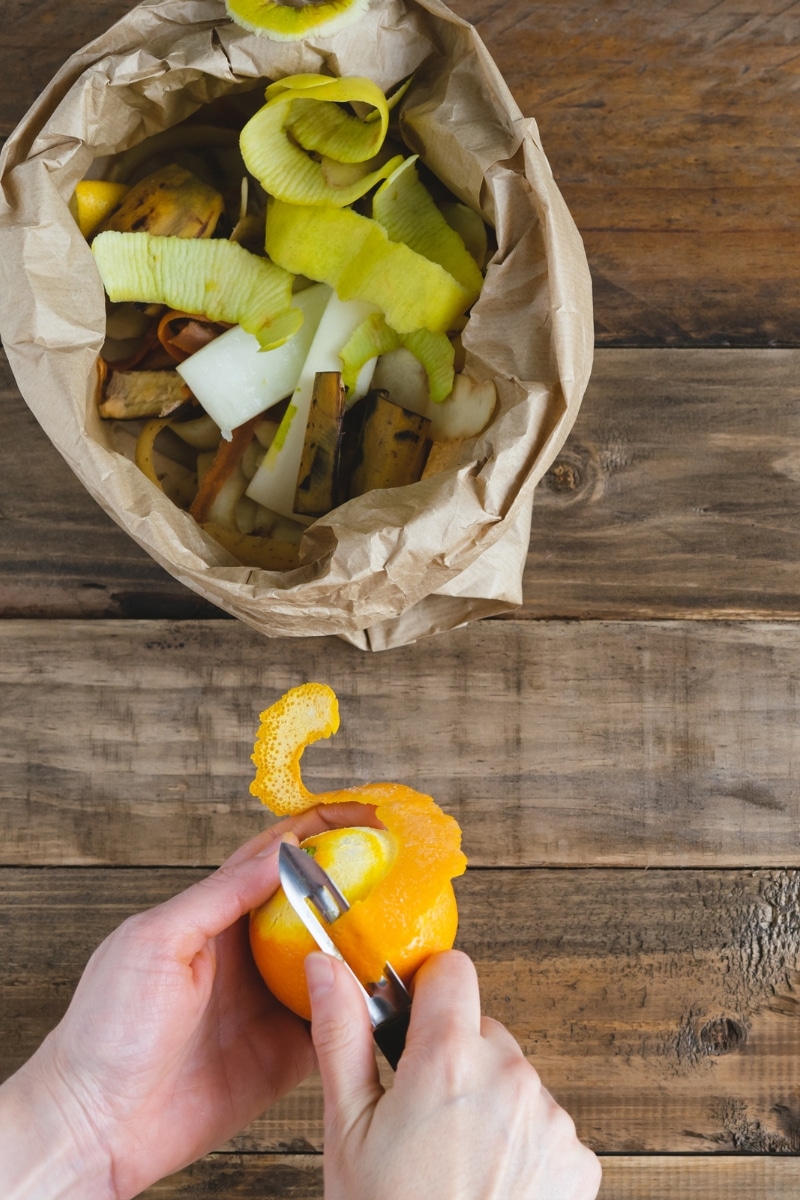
(623, 755)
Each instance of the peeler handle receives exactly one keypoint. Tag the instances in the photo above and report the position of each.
(390, 1037)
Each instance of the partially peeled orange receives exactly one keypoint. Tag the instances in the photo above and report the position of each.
(398, 880)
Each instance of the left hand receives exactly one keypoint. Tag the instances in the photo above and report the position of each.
(172, 1042)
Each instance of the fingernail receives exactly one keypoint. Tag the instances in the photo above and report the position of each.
(319, 975)
(272, 849)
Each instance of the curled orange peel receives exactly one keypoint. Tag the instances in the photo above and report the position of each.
(393, 922)
(302, 716)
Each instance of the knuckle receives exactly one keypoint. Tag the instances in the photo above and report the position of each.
(332, 1034)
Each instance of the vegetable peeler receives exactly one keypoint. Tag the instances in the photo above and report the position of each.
(311, 891)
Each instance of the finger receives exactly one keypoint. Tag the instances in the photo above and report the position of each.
(342, 1034)
(316, 820)
(496, 1032)
(446, 998)
(247, 879)
(183, 924)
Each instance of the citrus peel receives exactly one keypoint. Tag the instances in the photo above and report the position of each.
(407, 912)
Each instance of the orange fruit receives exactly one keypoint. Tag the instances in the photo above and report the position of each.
(398, 880)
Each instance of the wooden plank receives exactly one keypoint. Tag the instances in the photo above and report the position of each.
(36, 38)
(680, 181)
(660, 1007)
(670, 129)
(645, 1177)
(558, 743)
(675, 495)
(552, 743)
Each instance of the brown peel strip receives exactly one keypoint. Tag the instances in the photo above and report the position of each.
(183, 334)
(226, 459)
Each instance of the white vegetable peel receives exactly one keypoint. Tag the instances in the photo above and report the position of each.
(234, 379)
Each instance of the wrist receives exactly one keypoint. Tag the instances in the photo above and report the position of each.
(48, 1148)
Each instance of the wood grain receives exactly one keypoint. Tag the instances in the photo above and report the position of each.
(552, 743)
(670, 130)
(673, 1177)
(660, 1007)
(676, 493)
(675, 496)
(695, 1178)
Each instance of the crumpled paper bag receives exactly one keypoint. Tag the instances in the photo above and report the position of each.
(392, 566)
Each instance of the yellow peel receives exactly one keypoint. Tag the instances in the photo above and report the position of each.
(214, 278)
(287, 23)
(355, 257)
(145, 445)
(299, 718)
(302, 118)
(374, 337)
(93, 201)
(389, 923)
(404, 207)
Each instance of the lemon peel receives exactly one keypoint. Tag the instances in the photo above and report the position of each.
(93, 201)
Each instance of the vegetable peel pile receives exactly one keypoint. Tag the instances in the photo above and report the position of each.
(406, 909)
(238, 287)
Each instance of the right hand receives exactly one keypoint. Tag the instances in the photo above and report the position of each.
(467, 1117)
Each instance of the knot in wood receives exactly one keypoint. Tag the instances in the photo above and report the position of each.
(563, 477)
(722, 1035)
(569, 475)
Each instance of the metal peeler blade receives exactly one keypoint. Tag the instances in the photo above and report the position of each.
(313, 894)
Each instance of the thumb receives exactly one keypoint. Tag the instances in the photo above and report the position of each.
(342, 1034)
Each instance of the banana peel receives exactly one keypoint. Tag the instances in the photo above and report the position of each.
(386, 446)
(318, 476)
(131, 394)
(171, 202)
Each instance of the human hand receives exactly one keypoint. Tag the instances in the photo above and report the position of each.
(172, 1042)
(467, 1117)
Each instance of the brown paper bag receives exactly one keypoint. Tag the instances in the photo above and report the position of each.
(391, 566)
